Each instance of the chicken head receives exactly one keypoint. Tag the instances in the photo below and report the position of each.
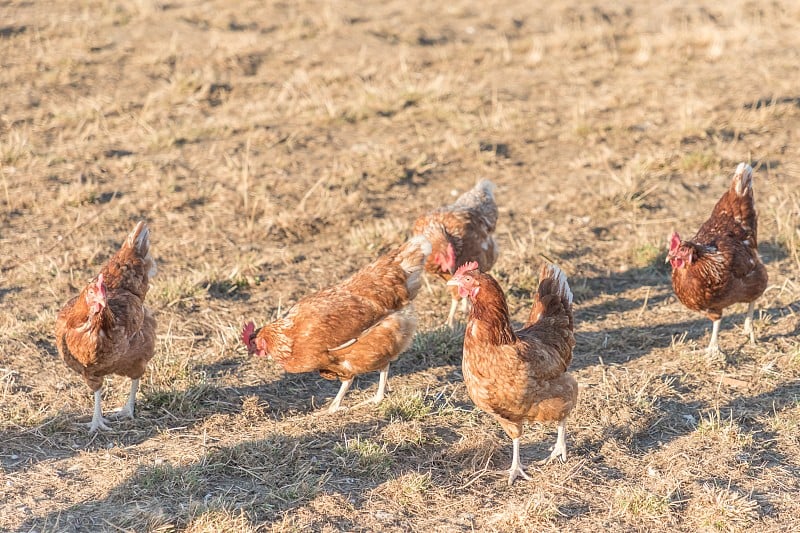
(679, 255)
(446, 260)
(96, 295)
(465, 280)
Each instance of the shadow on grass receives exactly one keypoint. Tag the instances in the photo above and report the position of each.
(298, 393)
(263, 479)
(66, 434)
(675, 419)
(8, 290)
(624, 344)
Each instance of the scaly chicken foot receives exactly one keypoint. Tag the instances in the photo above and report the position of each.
(127, 411)
(560, 448)
(748, 322)
(516, 467)
(337, 402)
(98, 422)
(381, 392)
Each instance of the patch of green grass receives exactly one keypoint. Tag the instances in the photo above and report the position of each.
(405, 407)
(713, 425)
(177, 291)
(642, 503)
(725, 509)
(177, 401)
(699, 161)
(364, 456)
(165, 479)
(648, 255)
(442, 344)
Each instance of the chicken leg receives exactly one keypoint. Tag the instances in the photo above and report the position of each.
(127, 410)
(560, 449)
(381, 392)
(451, 316)
(342, 391)
(748, 322)
(713, 345)
(98, 422)
(516, 467)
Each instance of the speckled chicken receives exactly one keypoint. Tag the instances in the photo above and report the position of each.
(720, 265)
(355, 327)
(106, 329)
(460, 233)
(519, 376)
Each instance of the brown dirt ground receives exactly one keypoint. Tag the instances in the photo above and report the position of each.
(275, 147)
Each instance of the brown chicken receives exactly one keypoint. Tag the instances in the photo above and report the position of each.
(720, 265)
(106, 329)
(355, 327)
(460, 233)
(519, 376)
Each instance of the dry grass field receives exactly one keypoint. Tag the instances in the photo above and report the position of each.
(275, 147)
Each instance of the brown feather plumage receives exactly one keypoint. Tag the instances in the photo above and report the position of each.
(519, 376)
(357, 326)
(720, 265)
(467, 226)
(119, 339)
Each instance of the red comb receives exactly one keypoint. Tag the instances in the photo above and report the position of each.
(247, 335)
(100, 280)
(674, 241)
(466, 267)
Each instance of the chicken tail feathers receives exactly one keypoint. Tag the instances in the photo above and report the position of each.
(139, 243)
(554, 297)
(481, 193)
(412, 257)
(742, 179)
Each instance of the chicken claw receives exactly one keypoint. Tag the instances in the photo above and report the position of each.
(98, 422)
(560, 448)
(516, 467)
(127, 411)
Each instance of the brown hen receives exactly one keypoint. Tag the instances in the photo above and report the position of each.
(355, 327)
(519, 376)
(720, 265)
(106, 329)
(460, 233)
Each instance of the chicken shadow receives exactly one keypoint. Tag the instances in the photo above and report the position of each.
(8, 290)
(654, 276)
(270, 476)
(430, 349)
(772, 251)
(675, 417)
(624, 344)
(65, 434)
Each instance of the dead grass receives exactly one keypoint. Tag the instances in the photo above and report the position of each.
(277, 147)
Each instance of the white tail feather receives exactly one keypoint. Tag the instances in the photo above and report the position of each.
(482, 191)
(553, 272)
(139, 240)
(486, 187)
(743, 179)
(413, 256)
